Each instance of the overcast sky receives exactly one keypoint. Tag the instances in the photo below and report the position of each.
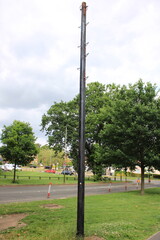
(39, 56)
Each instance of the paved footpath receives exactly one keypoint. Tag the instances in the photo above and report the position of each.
(155, 237)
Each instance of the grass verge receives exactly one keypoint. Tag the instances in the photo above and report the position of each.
(35, 178)
(31, 178)
(127, 216)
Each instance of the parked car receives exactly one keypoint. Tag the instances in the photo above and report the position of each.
(10, 167)
(2, 167)
(47, 167)
(67, 172)
(18, 167)
(50, 171)
(32, 166)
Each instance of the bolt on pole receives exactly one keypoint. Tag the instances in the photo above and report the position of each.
(81, 165)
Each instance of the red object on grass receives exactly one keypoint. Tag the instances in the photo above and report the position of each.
(50, 171)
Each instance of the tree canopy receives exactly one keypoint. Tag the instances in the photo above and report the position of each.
(18, 144)
(122, 126)
(131, 134)
(48, 157)
(62, 115)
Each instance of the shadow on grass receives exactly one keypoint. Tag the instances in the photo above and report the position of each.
(152, 191)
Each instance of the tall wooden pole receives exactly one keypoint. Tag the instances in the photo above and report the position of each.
(81, 166)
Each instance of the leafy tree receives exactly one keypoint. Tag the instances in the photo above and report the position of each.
(98, 96)
(66, 115)
(18, 144)
(122, 127)
(48, 156)
(59, 117)
(131, 134)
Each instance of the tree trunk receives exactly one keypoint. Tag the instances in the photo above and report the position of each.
(14, 175)
(142, 178)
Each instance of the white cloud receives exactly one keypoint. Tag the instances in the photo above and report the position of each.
(32, 116)
(39, 55)
(126, 47)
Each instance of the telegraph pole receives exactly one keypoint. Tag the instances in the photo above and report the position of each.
(81, 166)
(65, 157)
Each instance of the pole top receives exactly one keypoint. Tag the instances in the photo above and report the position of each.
(84, 7)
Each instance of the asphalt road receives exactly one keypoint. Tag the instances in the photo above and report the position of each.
(10, 194)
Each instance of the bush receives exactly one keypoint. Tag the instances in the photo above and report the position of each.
(1, 171)
(106, 179)
(97, 177)
(156, 176)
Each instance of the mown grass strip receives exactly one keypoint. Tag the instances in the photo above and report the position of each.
(127, 216)
(28, 178)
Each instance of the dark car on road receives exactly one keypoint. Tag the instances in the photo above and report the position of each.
(32, 166)
(67, 172)
(47, 167)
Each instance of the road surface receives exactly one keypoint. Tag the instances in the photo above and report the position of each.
(10, 194)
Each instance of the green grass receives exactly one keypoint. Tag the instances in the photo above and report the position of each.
(35, 178)
(117, 216)
(27, 178)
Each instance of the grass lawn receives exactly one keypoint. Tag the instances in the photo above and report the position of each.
(31, 178)
(27, 178)
(116, 216)
(41, 177)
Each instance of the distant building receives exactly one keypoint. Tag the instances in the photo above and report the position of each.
(111, 171)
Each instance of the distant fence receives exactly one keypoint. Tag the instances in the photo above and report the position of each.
(69, 178)
(40, 177)
(61, 178)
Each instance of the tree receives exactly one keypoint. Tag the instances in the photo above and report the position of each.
(66, 115)
(131, 134)
(59, 117)
(18, 144)
(98, 96)
(48, 157)
(122, 127)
